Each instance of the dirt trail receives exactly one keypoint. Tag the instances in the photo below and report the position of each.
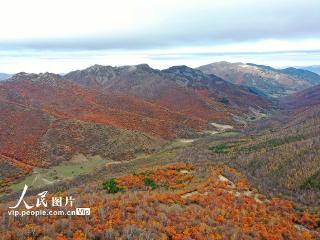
(231, 190)
(187, 140)
(221, 127)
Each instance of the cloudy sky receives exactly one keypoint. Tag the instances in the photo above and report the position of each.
(64, 35)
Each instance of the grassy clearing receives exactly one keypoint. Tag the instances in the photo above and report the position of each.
(81, 164)
(179, 143)
(148, 161)
(78, 165)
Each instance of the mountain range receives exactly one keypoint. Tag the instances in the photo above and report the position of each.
(40, 111)
(169, 87)
(175, 102)
(48, 118)
(271, 81)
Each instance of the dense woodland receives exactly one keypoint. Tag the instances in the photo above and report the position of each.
(180, 201)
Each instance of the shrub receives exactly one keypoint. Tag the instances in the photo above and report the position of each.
(150, 183)
(221, 148)
(111, 186)
(224, 100)
(271, 144)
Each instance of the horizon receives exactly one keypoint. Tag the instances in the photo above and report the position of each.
(161, 61)
(144, 63)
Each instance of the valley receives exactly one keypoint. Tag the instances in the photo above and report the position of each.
(81, 164)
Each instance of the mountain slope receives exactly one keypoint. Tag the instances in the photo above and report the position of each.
(32, 137)
(302, 74)
(217, 88)
(271, 81)
(302, 100)
(65, 99)
(172, 90)
(46, 119)
(282, 156)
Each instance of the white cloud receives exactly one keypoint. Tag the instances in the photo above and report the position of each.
(127, 24)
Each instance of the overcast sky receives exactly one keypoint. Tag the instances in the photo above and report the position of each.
(64, 35)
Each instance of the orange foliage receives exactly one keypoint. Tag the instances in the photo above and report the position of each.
(209, 206)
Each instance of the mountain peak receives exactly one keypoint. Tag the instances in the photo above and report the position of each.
(192, 74)
(97, 68)
(48, 79)
(262, 66)
(185, 71)
(139, 68)
(143, 66)
(35, 77)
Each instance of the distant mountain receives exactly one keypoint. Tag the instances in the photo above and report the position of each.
(315, 68)
(302, 74)
(271, 81)
(4, 76)
(218, 88)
